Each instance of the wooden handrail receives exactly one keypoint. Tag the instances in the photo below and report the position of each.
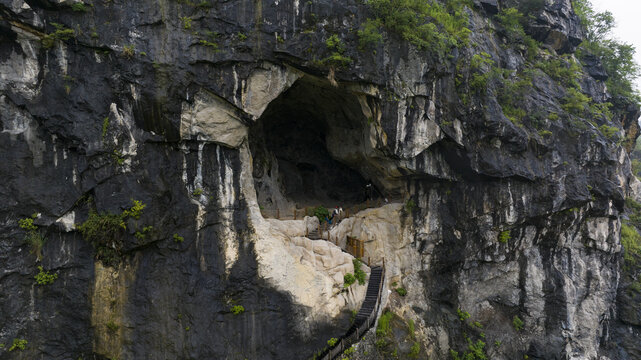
(276, 213)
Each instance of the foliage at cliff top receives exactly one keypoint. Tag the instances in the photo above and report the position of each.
(617, 57)
(426, 24)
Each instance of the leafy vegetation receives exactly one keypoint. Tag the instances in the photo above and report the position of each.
(512, 21)
(415, 350)
(118, 157)
(480, 66)
(321, 213)
(129, 51)
(105, 231)
(462, 315)
(141, 235)
(504, 236)
(368, 35)
(34, 238)
(337, 50)
(44, 277)
(474, 351)
(105, 126)
(636, 167)
(186, 20)
(512, 87)
(61, 33)
(609, 131)
(348, 280)
(564, 70)
(178, 238)
(384, 327)
(347, 354)
(18, 344)
(631, 241)
(401, 291)
(210, 40)
(517, 323)
(511, 93)
(575, 102)
(427, 24)
(359, 274)
(331, 342)
(209, 44)
(79, 7)
(410, 205)
(411, 329)
(634, 212)
(237, 309)
(617, 58)
(112, 326)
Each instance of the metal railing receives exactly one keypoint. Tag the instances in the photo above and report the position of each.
(359, 328)
(296, 214)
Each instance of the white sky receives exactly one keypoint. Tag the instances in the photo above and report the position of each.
(627, 14)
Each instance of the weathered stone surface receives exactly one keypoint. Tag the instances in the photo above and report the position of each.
(210, 118)
(145, 104)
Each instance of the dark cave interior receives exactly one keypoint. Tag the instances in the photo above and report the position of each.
(291, 159)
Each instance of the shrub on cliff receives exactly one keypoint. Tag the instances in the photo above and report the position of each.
(321, 213)
(512, 21)
(631, 241)
(348, 280)
(44, 277)
(359, 274)
(617, 57)
(62, 33)
(18, 344)
(337, 55)
(426, 24)
(34, 238)
(105, 231)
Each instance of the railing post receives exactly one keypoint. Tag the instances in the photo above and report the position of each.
(277, 213)
(368, 262)
(294, 214)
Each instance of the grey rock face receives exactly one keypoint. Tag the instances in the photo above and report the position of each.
(185, 106)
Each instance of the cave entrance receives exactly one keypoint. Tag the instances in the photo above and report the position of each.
(300, 146)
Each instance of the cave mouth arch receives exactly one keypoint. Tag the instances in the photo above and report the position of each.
(304, 148)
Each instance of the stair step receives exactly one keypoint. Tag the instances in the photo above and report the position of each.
(368, 306)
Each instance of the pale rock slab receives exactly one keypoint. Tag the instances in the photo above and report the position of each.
(211, 118)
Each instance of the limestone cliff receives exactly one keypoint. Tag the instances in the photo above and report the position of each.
(177, 129)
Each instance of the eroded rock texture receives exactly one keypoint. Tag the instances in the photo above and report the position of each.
(210, 112)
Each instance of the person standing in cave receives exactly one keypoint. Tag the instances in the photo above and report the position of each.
(368, 190)
(334, 213)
